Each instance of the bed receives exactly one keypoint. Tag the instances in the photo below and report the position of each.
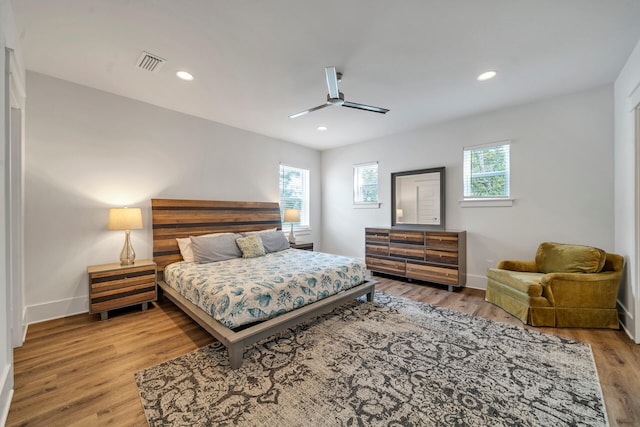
(178, 219)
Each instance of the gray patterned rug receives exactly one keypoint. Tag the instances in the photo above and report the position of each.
(392, 362)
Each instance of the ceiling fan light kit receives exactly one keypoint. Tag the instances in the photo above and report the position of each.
(336, 98)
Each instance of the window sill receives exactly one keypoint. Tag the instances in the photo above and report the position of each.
(302, 231)
(375, 205)
(486, 203)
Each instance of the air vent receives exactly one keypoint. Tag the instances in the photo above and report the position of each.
(150, 62)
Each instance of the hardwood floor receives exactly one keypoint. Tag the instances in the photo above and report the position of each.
(78, 371)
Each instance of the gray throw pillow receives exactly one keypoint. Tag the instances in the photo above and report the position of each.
(274, 241)
(213, 248)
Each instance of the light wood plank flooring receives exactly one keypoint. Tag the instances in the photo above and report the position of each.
(78, 371)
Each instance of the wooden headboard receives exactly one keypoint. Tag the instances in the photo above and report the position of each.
(174, 218)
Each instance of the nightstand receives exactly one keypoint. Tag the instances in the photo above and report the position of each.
(114, 286)
(303, 246)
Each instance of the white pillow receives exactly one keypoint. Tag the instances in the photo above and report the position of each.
(185, 247)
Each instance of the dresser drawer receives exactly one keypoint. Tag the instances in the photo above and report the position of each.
(411, 237)
(442, 241)
(406, 251)
(377, 249)
(430, 273)
(386, 265)
(376, 235)
(444, 257)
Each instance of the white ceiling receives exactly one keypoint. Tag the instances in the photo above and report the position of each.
(256, 62)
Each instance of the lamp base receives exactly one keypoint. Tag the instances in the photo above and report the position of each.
(292, 237)
(128, 255)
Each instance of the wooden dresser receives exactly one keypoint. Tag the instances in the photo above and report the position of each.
(433, 256)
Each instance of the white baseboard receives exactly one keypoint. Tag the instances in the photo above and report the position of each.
(477, 282)
(6, 392)
(627, 321)
(56, 309)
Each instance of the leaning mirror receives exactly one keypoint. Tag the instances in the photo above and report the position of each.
(417, 198)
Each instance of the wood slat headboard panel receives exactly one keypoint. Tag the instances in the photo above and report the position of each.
(174, 218)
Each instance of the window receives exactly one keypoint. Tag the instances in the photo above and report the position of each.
(486, 171)
(365, 183)
(294, 193)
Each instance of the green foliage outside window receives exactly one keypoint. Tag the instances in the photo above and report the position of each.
(487, 172)
(365, 185)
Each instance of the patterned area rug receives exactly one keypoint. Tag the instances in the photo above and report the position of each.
(391, 362)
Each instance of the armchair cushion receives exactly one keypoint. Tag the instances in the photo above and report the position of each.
(560, 258)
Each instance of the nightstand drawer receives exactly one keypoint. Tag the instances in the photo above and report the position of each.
(98, 286)
(307, 246)
(109, 301)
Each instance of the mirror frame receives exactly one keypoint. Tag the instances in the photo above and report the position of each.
(395, 175)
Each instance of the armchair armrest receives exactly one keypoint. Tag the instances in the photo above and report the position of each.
(518, 265)
(593, 290)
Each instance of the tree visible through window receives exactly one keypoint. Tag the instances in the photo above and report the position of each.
(365, 183)
(486, 171)
(294, 192)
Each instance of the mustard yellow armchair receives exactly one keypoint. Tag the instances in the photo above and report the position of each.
(565, 286)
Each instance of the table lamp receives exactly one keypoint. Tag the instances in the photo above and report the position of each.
(292, 215)
(126, 219)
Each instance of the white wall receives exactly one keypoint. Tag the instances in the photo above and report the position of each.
(627, 208)
(561, 169)
(87, 151)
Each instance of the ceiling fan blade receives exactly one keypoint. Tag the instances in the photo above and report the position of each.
(332, 82)
(365, 107)
(310, 110)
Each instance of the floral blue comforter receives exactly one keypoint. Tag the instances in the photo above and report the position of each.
(240, 291)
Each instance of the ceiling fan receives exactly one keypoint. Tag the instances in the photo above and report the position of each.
(336, 98)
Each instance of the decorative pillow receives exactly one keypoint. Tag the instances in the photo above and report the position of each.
(215, 247)
(560, 258)
(251, 246)
(274, 241)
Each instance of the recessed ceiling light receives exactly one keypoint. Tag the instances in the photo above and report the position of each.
(487, 75)
(322, 128)
(184, 75)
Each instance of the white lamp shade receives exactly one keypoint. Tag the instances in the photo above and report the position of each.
(125, 218)
(291, 215)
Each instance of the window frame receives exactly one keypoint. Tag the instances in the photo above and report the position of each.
(358, 168)
(305, 211)
(467, 176)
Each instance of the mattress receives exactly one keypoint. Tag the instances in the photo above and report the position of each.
(241, 291)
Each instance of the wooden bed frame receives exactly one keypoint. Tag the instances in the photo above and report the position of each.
(183, 218)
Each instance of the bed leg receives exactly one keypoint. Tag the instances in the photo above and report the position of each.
(235, 355)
